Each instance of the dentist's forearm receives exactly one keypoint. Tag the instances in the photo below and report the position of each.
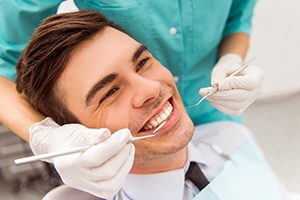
(236, 43)
(15, 112)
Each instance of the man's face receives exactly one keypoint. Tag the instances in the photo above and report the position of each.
(113, 81)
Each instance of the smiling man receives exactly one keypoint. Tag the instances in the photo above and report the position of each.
(81, 68)
(121, 76)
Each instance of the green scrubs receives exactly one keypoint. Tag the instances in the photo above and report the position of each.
(183, 35)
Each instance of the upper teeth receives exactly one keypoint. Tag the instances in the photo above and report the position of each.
(166, 112)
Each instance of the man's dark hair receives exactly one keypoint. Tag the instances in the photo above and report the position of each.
(48, 53)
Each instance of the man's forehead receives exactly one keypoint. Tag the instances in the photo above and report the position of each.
(109, 36)
(116, 36)
(110, 46)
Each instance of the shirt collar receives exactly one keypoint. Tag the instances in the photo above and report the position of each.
(147, 186)
(137, 185)
(194, 156)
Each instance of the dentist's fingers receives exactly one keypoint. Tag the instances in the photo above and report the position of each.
(100, 153)
(249, 79)
(102, 169)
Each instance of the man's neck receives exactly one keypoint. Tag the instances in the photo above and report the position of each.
(161, 164)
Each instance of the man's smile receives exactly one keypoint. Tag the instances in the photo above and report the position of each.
(158, 118)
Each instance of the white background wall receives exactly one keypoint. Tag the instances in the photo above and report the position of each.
(275, 116)
(276, 42)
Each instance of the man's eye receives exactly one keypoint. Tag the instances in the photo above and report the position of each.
(141, 64)
(108, 94)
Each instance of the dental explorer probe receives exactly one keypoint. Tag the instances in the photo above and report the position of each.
(79, 149)
(215, 89)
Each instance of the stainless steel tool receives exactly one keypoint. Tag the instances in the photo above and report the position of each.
(79, 149)
(215, 89)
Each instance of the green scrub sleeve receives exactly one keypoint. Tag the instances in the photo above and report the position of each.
(240, 17)
(18, 20)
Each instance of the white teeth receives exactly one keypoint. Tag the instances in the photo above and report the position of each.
(154, 123)
(170, 108)
(159, 120)
(163, 116)
(167, 112)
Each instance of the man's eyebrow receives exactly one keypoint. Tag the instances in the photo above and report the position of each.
(138, 52)
(98, 86)
(111, 77)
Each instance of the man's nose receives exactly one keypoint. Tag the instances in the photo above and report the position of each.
(144, 91)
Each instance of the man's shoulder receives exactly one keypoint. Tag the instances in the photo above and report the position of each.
(226, 134)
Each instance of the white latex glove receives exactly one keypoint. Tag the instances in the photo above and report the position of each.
(234, 94)
(101, 170)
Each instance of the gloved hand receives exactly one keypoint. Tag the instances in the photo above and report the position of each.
(101, 170)
(234, 94)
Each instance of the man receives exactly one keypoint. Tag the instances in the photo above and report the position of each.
(81, 68)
